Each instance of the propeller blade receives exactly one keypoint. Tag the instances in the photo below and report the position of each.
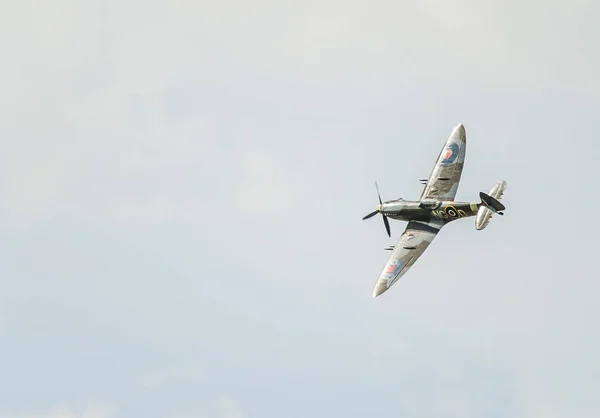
(378, 195)
(370, 215)
(387, 225)
(375, 212)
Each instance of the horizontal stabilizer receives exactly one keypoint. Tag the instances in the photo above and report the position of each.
(490, 204)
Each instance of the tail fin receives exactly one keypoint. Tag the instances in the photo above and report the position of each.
(490, 204)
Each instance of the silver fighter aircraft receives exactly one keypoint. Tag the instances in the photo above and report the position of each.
(435, 208)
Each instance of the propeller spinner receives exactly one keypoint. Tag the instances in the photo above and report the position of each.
(378, 210)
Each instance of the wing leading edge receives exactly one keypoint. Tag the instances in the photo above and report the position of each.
(445, 177)
(412, 243)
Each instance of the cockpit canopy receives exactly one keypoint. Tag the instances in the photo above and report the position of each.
(430, 204)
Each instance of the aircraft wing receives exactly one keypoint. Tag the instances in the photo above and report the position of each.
(445, 176)
(412, 243)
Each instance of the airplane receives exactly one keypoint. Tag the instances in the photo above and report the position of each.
(435, 209)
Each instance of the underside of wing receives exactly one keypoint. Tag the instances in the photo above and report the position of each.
(412, 243)
(445, 176)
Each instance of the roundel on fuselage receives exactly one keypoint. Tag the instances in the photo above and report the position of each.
(450, 154)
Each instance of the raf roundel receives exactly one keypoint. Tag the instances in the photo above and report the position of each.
(450, 154)
(392, 269)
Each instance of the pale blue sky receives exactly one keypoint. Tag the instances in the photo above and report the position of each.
(182, 185)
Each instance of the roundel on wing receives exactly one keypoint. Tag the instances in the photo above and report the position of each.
(392, 269)
(450, 154)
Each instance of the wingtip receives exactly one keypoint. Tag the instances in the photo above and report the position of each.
(379, 289)
(459, 132)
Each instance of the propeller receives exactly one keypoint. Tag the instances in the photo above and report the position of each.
(378, 210)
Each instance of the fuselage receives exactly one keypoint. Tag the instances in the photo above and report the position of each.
(447, 211)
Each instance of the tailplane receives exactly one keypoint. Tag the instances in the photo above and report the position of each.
(490, 204)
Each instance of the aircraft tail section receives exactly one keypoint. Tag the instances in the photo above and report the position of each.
(490, 204)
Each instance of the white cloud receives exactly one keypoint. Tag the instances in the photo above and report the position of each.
(228, 408)
(72, 100)
(225, 407)
(263, 184)
(61, 411)
(199, 411)
(156, 210)
(170, 374)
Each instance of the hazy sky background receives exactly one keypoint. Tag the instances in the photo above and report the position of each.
(181, 192)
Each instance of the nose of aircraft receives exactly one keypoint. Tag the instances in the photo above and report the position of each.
(380, 287)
